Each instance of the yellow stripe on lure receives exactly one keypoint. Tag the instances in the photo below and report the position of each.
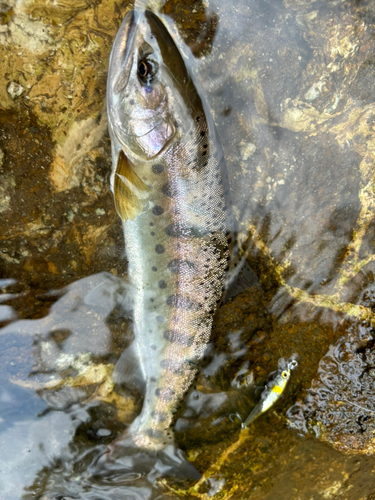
(273, 389)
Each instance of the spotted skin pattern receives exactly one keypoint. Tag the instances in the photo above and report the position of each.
(179, 240)
(180, 281)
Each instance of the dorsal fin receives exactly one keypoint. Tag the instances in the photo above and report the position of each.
(129, 190)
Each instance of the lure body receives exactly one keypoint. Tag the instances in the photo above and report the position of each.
(273, 390)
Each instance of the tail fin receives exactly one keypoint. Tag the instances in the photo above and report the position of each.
(124, 457)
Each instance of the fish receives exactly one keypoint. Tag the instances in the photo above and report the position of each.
(273, 390)
(171, 190)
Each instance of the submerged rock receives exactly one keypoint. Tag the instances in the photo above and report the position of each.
(340, 405)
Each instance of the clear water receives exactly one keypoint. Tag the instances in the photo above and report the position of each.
(290, 86)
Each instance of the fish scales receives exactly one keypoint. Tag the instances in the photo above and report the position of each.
(173, 308)
(171, 190)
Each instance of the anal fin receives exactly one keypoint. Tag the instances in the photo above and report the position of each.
(128, 370)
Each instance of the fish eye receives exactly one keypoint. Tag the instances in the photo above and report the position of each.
(284, 374)
(146, 71)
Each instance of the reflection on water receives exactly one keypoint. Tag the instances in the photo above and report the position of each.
(290, 86)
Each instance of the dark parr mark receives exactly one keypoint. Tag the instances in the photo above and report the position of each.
(169, 190)
(181, 302)
(157, 169)
(179, 338)
(171, 365)
(174, 265)
(157, 210)
(178, 265)
(159, 249)
(178, 231)
(154, 433)
(165, 394)
(159, 416)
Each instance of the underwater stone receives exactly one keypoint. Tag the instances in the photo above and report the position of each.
(339, 407)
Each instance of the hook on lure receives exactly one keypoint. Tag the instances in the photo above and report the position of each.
(273, 390)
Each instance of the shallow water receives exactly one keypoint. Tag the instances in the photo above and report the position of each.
(290, 85)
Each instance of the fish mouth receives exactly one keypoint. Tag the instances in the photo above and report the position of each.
(122, 55)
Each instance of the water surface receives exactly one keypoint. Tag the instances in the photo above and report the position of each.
(291, 87)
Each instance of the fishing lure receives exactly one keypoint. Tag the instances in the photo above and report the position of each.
(273, 390)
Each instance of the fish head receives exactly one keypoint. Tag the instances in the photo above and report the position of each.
(146, 89)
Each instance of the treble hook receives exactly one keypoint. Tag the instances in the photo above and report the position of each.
(292, 364)
(235, 416)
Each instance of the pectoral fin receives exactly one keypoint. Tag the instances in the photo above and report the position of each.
(130, 191)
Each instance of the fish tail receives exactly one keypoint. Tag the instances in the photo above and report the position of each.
(132, 452)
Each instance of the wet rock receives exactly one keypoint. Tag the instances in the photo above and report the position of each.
(340, 405)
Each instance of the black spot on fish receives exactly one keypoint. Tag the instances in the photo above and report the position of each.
(205, 146)
(160, 319)
(151, 223)
(154, 268)
(179, 338)
(157, 210)
(154, 347)
(162, 283)
(204, 153)
(203, 133)
(152, 233)
(159, 249)
(179, 301)
(132, 102)
(157, 169)
(172, 365)
(152, 300)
